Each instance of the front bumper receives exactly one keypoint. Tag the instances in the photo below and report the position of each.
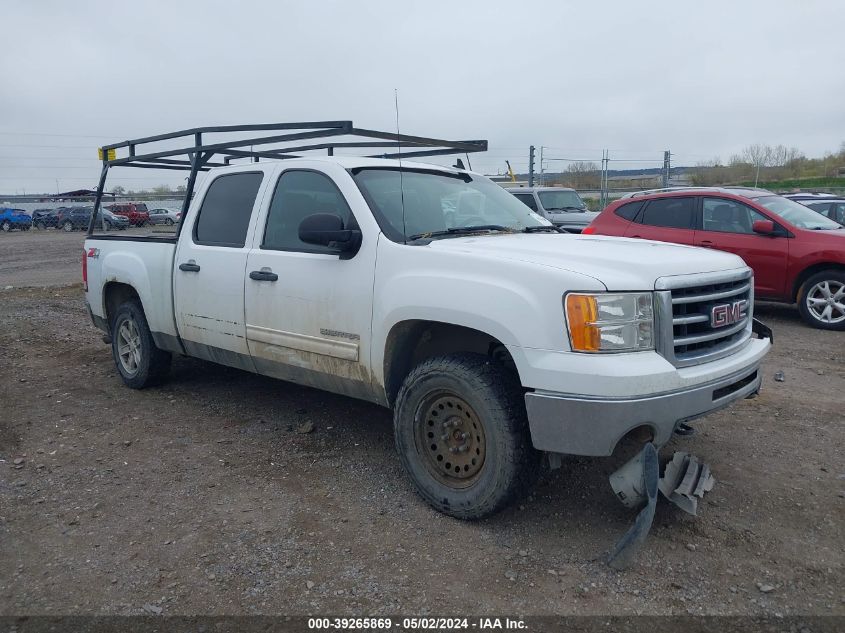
(564, 423)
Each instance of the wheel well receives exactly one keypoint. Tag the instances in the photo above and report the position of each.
(810, 271)
(411, 342)
(114, 295)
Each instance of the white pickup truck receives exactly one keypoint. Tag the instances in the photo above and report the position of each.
(432, 291)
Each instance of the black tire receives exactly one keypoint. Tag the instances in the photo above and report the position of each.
(6, 226)
(168, 222)
(151, 363)
(492, 396)
(812, 295)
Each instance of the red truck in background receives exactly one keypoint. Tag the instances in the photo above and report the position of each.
(136, 212)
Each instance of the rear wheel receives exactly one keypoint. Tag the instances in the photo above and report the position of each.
(67, 226)
(462, 435)
(138, 360)
(821, 300)
(168, 222)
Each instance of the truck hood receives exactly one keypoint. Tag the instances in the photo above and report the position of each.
(617, 262)
(572, 218)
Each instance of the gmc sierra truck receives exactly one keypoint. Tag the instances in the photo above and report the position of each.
(491, 335)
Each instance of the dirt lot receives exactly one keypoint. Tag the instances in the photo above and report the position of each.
(207, 495)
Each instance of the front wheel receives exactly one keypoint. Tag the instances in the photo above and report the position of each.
(168, 222)
(821, 300)
(6, 226)
(462, 435)
(138, 360)
(67, 226)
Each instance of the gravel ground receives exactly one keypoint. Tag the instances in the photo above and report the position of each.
(223, 492)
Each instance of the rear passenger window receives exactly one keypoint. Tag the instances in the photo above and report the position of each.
(629, 211)
(300, 194)
(676, 213)
(224, 215)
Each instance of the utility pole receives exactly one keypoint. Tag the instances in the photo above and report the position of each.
(542, 174)
(604, 162)
(667, 166)
(531, 166)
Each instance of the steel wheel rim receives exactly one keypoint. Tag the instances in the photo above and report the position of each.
(68, 226)
(826, 301)
(129, 346)
(450, 438)
(6, 226)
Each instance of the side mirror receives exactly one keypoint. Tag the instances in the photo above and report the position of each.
(326, 229)
(763, 227)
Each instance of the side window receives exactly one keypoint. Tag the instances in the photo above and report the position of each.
(527, 199)
(821, 207)
(837, 212)
(676, 213)
(728, 216)
(223, 218)
(629, 211)
(300, 194)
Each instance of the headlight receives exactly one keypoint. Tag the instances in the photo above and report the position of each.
(610, 322)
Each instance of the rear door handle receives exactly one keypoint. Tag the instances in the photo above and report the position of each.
(706, 243)
(265, 274)
(189, 266)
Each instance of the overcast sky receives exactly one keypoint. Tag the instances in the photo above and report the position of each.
(702, 79)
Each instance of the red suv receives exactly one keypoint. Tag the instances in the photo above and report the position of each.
(797, 255)
(137, 213)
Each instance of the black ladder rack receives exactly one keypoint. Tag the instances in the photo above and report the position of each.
(281, 141)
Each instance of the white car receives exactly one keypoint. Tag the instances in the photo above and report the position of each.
(430, 290)
(164, 216)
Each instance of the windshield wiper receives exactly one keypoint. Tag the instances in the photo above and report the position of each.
(541, 228)
(462, 230)
(567, 209)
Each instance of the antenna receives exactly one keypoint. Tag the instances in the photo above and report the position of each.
(399, 158)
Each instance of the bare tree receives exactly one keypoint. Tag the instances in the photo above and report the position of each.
(583, 175)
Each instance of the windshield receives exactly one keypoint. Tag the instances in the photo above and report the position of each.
(435, 202)
(796, 214)
(563, 200)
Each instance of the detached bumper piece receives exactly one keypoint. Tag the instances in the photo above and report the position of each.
(684, 482)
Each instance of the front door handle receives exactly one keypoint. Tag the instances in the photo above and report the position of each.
(265, 274)
(189, 266)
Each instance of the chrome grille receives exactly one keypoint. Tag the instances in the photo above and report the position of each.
(685, 311)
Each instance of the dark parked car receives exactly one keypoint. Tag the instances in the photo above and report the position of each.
(45, 218)
(15, 219)
(828, 204)
(73, 218)
(77, 218)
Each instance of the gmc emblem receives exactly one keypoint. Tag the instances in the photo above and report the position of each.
(728, 313)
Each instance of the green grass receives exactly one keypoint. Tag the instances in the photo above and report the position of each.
(798, 183)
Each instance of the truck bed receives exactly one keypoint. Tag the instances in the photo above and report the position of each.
(147, 267)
